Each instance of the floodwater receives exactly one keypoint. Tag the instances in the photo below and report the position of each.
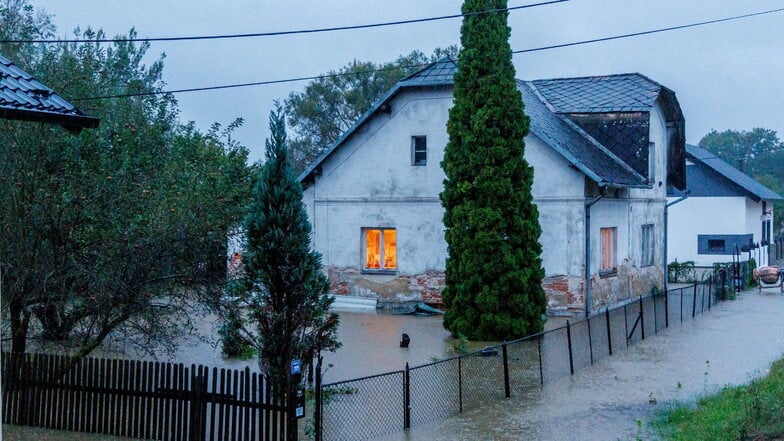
(732, 344)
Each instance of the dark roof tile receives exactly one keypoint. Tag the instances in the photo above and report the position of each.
(747, 183)
(24, 97)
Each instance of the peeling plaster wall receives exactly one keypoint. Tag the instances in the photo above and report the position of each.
(370, 182)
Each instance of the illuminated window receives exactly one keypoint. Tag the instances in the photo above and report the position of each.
(609, 250)
(380, 249)
(418, 150)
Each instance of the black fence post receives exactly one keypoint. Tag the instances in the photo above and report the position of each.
(590, 339)
(609, 331)
(507, 392)
(541, 371)
(655, 316)
(710, 291)
(642, 320)
(667, 308)
(694, 302)
(198, 405)
(407, 398)
(318, 404)
(626, 325)
(681, 296)
(569, 338)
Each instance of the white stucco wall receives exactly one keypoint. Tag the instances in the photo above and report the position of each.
(370, 182)
(705, 215)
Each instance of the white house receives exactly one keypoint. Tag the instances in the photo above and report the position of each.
(725, 210)
(603, 151)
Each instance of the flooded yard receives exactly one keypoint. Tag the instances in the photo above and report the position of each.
(731, 344)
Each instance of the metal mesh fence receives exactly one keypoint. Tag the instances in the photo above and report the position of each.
(435, 393)
(555, 355)
(483, 378)
(364, 408)
(524, 366)
(374, 406)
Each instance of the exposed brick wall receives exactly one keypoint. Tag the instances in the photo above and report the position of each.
(564, 293)
(426, 287)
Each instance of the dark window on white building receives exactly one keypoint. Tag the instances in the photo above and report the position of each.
(418, 150)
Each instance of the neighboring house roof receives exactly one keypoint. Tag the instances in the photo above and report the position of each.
(22, 97)
(710, 169)
(552, 121)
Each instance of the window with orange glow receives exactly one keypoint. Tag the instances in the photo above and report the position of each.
(380, 249)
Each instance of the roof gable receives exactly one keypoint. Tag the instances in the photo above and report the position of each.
(573, 142)
(22, 97)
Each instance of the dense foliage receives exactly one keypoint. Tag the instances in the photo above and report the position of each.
(120, 230)
(759, 153)
(493, 269)
(331, 104)
(281, 279)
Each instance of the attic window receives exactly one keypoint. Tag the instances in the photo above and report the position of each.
(380, 249)
(418, 150)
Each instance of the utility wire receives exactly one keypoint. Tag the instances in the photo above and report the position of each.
(279, 33)
(654, 31)
(339, 74)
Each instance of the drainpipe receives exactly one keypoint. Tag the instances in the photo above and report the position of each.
(666, 233)
(588, 250)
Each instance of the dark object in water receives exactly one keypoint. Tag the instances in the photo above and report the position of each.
(414, 308)
(405, 341)
(488, 352)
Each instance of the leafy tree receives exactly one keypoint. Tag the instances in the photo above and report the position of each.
(331, 104)
(759, 153)
(281, 279)
(120, 230)
(493, 269)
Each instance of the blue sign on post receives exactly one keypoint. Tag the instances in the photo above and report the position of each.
(296, 367)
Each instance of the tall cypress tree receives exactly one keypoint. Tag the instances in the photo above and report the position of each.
(281, 276)
(494, 269)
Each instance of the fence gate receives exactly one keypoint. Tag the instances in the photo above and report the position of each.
(140, 399)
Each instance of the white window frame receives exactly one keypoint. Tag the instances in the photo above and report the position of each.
(647, 245)
(414, 161)
(363, 253)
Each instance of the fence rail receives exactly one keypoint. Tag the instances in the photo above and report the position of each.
(140, 399)
(374, 406)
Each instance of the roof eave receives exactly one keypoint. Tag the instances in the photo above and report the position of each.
(72, 123)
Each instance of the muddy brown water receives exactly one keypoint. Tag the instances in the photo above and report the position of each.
(733, 343)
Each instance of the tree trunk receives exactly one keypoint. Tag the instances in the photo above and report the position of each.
(20, 322)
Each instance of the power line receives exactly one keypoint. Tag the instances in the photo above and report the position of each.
(337, 74)
(654, 31)
(279, 33)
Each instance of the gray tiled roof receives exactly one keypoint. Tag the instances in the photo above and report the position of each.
(439, 73)
(580, 149)
(23, 97)
(558, 131)
(748, 184)
(611, 93)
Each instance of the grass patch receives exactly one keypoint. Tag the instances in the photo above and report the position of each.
(753, 412)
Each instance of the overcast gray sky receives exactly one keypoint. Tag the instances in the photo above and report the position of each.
(726, 75)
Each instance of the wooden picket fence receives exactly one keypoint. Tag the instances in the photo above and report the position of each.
(140, 399)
